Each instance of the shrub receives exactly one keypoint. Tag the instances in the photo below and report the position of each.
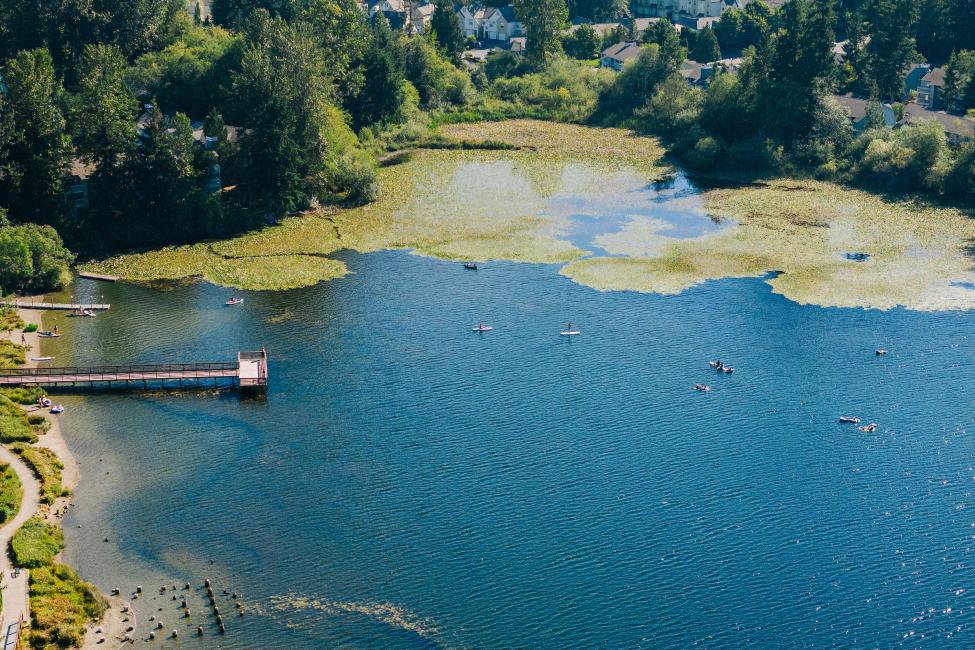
(23, 395)
(11, 354)
(11, 492)
(36, 543)
(705, 153)
(31, 327)
(16, 426)
(9, 319)
(61, 605)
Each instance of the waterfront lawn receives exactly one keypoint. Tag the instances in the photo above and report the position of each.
(11, 492)
(47, 467)
(9, 319)
(36, 543)
(61, 605)
(18, 426)
(11, 354)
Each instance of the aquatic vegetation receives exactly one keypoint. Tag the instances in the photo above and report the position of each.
(36, 543)
(453, 204)
(47, 467)
(61, 605)
(916, 254)
(386, 613)
(11, 492)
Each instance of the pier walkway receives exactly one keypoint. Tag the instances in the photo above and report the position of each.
(59, 306)
(249, 372)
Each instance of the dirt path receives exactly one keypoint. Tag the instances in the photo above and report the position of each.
(15, 588)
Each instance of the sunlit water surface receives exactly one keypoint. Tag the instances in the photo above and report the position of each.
(409, 483)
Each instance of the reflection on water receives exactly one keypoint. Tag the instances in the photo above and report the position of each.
(418, 485)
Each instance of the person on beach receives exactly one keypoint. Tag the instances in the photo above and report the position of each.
(55, 329)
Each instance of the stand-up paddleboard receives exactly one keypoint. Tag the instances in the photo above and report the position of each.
(570, 333)
(42, 358)
(483, 328)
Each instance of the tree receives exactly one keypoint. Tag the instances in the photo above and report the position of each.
(935, 31)
(891, 45)
(39, 148)
(446, 26)
(343, 36)
(235, 13)
(381, 97)
(958, 76)
(637, 83)
(582, 43)
(103, 109)
(438, 82)
(664, 34)
(706, 47)
(32, 258)
(543, 21)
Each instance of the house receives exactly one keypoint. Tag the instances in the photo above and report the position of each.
(857, 110)
(931, 89)
(501, 24)
(420, 17)
(518, 44)
(696, 74)
(615, 57)
(676, 10)
(912, 78)
(958, 130)
(491, 23)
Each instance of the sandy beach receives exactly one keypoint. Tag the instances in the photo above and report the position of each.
(113, 625)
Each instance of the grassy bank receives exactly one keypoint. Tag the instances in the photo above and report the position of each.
(47, 467)
(62, 604)
(9, 319)
(19, 426)
(11, 493)
(12, 354)
(36, 543)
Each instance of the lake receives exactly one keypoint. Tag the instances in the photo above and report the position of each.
(409, 483)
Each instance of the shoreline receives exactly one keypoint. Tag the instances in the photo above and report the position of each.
(111, 626)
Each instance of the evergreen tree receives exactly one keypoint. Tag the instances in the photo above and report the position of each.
(958, 75)
(891, 45)
(38, 148)
(583, 43)
(706, 47)
(664, 34)
(446, 26)
(543, 21)
(381, 96)
(103, 109)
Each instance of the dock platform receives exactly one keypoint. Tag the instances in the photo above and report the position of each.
(57, 306)
(248, 372)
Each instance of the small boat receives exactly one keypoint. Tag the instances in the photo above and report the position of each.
(48, 335)
(470, 266)
(727, 370)
(881, 352)
(717, 365)
(482, 328)
(42, 358)
(869, 428)
(848, 420)
(90, 313)
(702, 387)
(234, 301)
(45, 402)
(57, 409)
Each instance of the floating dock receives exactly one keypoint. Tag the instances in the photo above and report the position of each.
(97, 276)
(249, 372)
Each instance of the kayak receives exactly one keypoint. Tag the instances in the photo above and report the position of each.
(486, 328)
(57, 409)
(572, 333)
(42, 358)
(234, 301)
(48, 335)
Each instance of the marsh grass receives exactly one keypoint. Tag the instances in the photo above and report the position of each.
(36, 543)
(12, 354)
(9, 319)
(47, 467)
(23, 395)
(17, 426)
(11, 492)
(62, 604)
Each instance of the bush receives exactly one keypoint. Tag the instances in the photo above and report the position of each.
(15, 426)
(9, 319)
(11, 354)
(11, 492)
(61, 606)
(565, 91)
(47, 467)
(31, 327)
(36, 543)
(23, 395)
(705, 153)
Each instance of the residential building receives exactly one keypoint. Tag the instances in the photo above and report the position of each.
(931, 89)
(615, 56)
(958, 130)
(490, 23)
(912, 78)
(675, 10)
(857, 110)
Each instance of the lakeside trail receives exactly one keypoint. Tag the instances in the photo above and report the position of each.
(113, 624)
(15, 586)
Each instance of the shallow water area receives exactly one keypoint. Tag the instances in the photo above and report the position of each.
(409, 483)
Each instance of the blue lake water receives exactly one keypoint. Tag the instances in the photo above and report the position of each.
(411, 484)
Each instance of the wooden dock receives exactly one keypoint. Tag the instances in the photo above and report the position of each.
(248, 372)
(58, 306)
(97, 276)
